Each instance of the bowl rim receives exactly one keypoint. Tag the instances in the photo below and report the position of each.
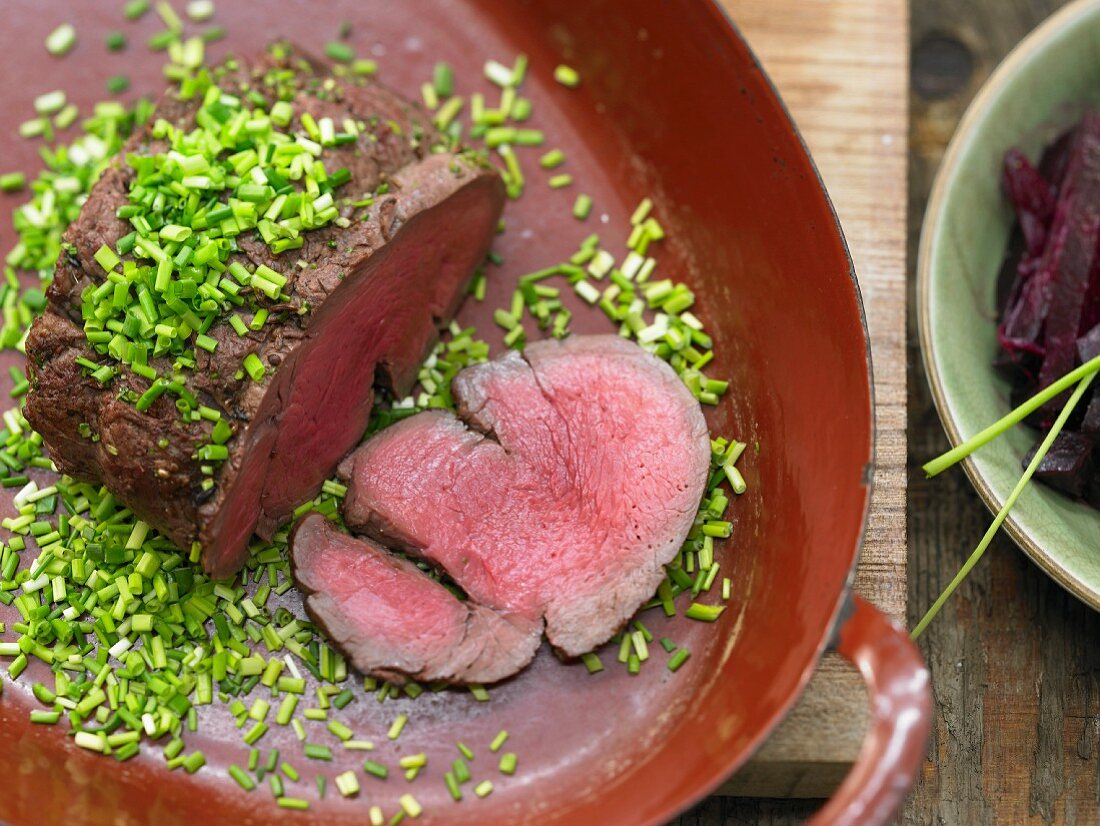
(1038, 39)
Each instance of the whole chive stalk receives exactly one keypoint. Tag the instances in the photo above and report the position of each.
(1002, 514)
(960, 452)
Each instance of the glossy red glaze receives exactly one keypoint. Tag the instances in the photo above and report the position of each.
(901, 716)
(672, 105)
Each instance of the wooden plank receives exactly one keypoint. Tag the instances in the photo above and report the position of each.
(1015, 664)
(841, 66)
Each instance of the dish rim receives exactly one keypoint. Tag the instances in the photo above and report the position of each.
(930, 236)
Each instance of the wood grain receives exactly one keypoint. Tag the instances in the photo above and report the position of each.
(841, 67)
(1015, 661)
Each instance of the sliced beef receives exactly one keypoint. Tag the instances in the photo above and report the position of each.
(394, 621)
(571, 475)
(366, 304)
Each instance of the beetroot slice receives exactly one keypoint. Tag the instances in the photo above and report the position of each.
(1032, 196)
(395, 622)
(1070, 258)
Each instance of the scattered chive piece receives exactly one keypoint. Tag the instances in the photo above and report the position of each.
(465, 750)
(443, 78)
(254, 367)
(118, 84)
(375, 769)
(168, 16)
(453, 786)
(592, 662)
(66, 117)
(484, 788)
(1014, 417)
(340, 52)
(347, 784)
(582, 207)
(116, 41)
(12, 181)
(200, 10)
(508, 763)
(61, 40)
(567, 76)
(364, 68)
(292, 803)
(498, 741)
(135, 9)
(410, 806)
(316, 751)
(704, 613)
(397, 726)
(560, 181)
(678, 658)
(479, 691)
(1043, 449)
(243, 780)
(553, 158)
(340, 731)
(50, 102)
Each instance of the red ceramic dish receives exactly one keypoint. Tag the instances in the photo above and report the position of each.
(672, 105)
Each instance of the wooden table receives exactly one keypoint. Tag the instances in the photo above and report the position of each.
(1015, 660)
(841, 66)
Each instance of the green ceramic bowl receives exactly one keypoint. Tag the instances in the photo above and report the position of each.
(1038, 91)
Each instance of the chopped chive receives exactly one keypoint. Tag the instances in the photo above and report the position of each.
(678, 658)
(410, 806)
(553, 158)
(560, 181)
(375, 769)
(704, 613)
(118, 84)
(452, 786)
(444, 80)
(567, 76)
(115, 41)
(498, 741)
(135, 9)
(397, 726)
(243, 780)
(582, 207)
(347, 784)
(61, 40)
(340, 731)
(292, 803)
(12, 181)
(508, 763)
(50, 102)
(592, 663)
(364, 68)
(465, 750)
(254, 367)
(200, 10)
(315, 751)
(340, 52)
(484, 788)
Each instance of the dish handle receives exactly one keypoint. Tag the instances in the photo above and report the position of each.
(901, 716)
